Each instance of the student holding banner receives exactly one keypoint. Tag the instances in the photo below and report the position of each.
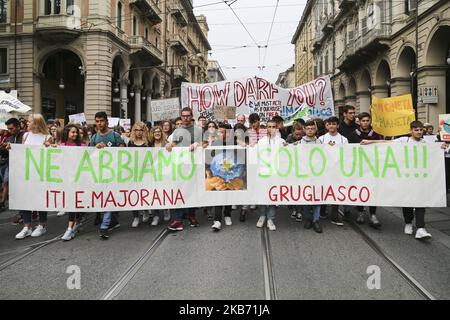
(365, 132)
(189, 135)
(223, 140)
(70, 137)
(106, 137)
(294, 138)
(312, 213)
(158, 140)
(139, 138)
(37, 134)
(272, 140)
(332, 138)
(409, 213)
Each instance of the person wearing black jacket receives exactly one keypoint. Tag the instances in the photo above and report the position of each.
(13, 126)
(365, 132)
(348, 124)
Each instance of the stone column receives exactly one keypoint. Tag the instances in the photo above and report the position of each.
(400, 86)
(363, 100)
(37, 108)
(123, 99)
(137, 104)
(149, 106)
(380, 91)
(432, 76)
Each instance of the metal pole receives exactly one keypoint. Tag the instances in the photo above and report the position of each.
(15, 44)
(416, 100)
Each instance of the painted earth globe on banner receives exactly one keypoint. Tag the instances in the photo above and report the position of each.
(226, 167)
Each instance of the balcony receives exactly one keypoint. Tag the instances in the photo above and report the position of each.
(364, 48)
(317, 41)
(180, 72)
(143, 47)
(346, 4)
(180, 14)
(344, 61)
(374, 40)
(58, 28)
(327, 24)
(149, 8)
(179, 44)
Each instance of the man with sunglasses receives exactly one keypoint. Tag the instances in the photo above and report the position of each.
(189, 135)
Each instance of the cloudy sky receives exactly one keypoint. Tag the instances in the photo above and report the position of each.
(236, 48)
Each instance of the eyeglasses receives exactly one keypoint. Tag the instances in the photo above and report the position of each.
(185, 115)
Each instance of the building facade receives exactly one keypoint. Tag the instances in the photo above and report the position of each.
(379, 48)
(215, 73)
(72, 56)
(302, 40)
(286, 79)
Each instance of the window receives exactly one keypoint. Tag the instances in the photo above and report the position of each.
(57, 7)
(3, 11)
(146, 34)
(70, 7)
(48, 7)
(3, 60)
(119, 15)
(134, 26)
(156, 41)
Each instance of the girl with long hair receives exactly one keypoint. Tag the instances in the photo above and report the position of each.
(37, 134)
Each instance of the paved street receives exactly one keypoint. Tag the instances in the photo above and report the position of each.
(198, 263)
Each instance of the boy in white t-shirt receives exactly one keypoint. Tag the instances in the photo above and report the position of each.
(333, 137)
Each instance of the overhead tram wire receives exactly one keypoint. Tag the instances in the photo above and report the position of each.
(270, 33)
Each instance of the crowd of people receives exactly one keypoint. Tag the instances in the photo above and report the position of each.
(185, 131)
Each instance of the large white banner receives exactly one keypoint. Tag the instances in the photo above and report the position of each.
(90, 179)
(257, 95)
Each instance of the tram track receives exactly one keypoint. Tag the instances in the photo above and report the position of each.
(396, 266)
(269, 279)
(32, 248)
(134, 268)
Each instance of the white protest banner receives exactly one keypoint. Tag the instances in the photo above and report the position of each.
(165, 109)
(79, 118)
(257, 95)
(90, 179)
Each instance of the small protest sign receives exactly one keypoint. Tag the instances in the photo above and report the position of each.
(126, 124)
(78, 118)
(165, 109)
(224, 112)
(444, 125)
(392, 116)
(113, 122)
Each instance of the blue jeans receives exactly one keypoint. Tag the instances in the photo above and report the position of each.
(180, 214)
(106, 221)
(27, 216)
(312, 212)
(269, 212)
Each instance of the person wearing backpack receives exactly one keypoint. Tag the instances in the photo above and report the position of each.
(106, 137)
